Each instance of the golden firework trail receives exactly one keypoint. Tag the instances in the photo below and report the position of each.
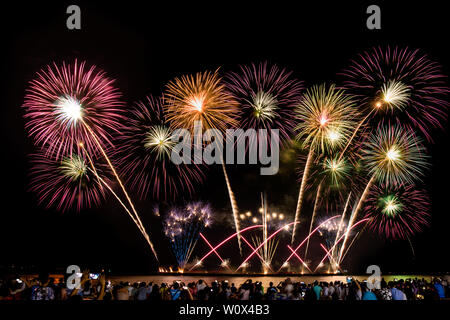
(234, 206)
(338, 233)
(203, 98)
(354, 134)
(102, 181)
(355, 213)
(326, 119)
(121, 184)
(301, 193)
(316, 205)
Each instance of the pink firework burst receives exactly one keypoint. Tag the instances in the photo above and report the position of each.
(143, 154)
(397, 212)
(266, 96)
(68, 182)
(67, 104)
(400, 83)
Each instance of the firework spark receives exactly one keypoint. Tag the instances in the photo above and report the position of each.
(226, 240)
(264, 243)
(344, 236)
(304, 264)
(402, 83)
(211, 247)
(397, 213)
(266, 96)
(61, 98)
(70, 106)
(183, 228)
(329, 230)
(394, 95)
(143, 154)
(66, 183)
(341, 225)
(394, 155)
(326, 117)
(203, 99)
(306, 239)
(225, 263)
(336, 171)
(267, 247)
(200, 98)
(316, 205)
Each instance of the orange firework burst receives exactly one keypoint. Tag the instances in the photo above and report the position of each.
(203, 98)
(200, 98)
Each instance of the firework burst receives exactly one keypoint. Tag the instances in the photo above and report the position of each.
(397, 213)
(334, 177)
(225, 263)
(78, 106)
(326, 118)
(402, 83)
(63, 102)
(203, 99)
(266, 97)
(200, 98)
(183, 227)
(394, 155)
(143, 154)
(66, 183)
(335, 171)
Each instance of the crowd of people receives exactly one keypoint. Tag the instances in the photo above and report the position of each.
(46, 288)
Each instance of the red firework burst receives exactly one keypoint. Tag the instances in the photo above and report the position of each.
(266, 96)
(397, 212)
(143, 154)
(67, 104)
(400, 83)
(69, 182)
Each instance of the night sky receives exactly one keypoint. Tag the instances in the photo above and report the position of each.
(145, 47)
